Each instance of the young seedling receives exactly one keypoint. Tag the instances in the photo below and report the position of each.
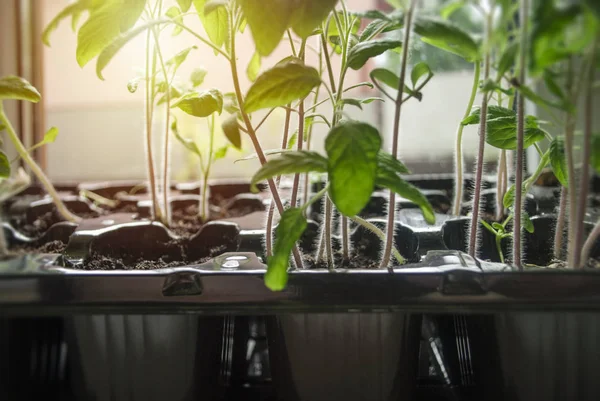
(16, 88)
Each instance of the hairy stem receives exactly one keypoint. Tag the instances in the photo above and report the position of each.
(459, 182)
(35, 169)
(501, 185)
(256, 143)
(560, 223)
(389, 241)
(590, 243)
(156, 214)
(518, 205)
(572, 194)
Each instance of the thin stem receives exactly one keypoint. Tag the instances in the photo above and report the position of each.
(375, 230)
(328, 246)
(502, 182)
(590, 243)
(35, 169)
(584, 182)
(459, 182)
(203, 40)
(256, 143)
(518, 205)
(156, 214)
(389, 242)
(166, 147)
(560, 223)
(293, 48)
(328, 62)
(264, 119)
(569, 152)
(300, 141)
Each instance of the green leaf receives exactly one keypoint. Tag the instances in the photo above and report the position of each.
(363, 51)
(489, 85)
(374, 28)
(292, 141)
(387, 162)
(537, 99)
(49, 137)
(189, 144)
(352, 102)
(368, 100)
(451, 7)
(509, 196)
(113, 47)
(280, 85)
(352, 149)
(553, 86)
(268, 21)
(197, 76)
(300, 161)
(175, 93)
(447, 36)
(131, 12)
(385, 76)
(527, 223)
(308, 15)
(17, 88)
(200, 104)
(507, 58)
(184, 5)
(214, 20)
(4, 165)
(558, 160)
(220, 153)
(72, 10)
(253, 67)
(595, 154)
(99, 31)
(288, 231)
(418, 71)
(231, 129)
(594, 6)
(388, 178)
(175, 14)
(134, 83)
(179, 58)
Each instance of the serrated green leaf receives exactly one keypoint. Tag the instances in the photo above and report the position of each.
(280, 85)
(49, 137)
(387, 162)
(112, 48)
(390, 179)
(4, 165)
(418, 71)
(197, 76)
(288, 231)
(295, 162)
(99, 31)
(447, 36)
(308, 15)
(72, 10)
(558, 161)
(231, 129)
(363, 51)
(215, 22)
(131, 13)
(253, 67)
(200, 104)
(17, 88)
(184, 5)
(352, 149)
(268, 21)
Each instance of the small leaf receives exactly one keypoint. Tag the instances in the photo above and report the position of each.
(300, 161)
(308, 15)
(418, 72)
(4, 165)
(268, 21)
(595, 154)
(359, 54)
(220, 153)
(17, 88)
(200, 104)
(231, 129)
(507, 59)
(527, 223)
(352, 102)
(451, 8)
(134, 83)
(387, 162)
(352, 149)
(197, 76)
(558, 161)
(49, 137)
(389, 179)
(266, 152)
(292, 141)
(385, 76)
(368, 100)
(184, 5)
(447, 36)
(253, 67)
(374, 28)
(288, 231)
(498, 226)
(72, 10)
(180, 57)
(280, 85)
(230, 103)
(215, 22)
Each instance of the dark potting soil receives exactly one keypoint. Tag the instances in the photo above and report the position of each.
(43, 222)
(356, 261)
(100, 262)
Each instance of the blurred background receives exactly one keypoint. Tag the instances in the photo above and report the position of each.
(101, 123)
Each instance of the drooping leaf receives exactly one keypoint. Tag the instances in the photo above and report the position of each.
(4, 165)
(189, 144)
(99, 31)
(72, 10)
(112, 48)
(558, 160)
(389, 179)
(288, 231)
(352, 149)
(268, 21)
(352, 102)
(300, 161)
(363, 51)
(231, 129)
(49, 137)
(308, 15)
(280, 85)
(253, 67)
(387, 162)
(215, 22)
(197, 76)
(178, 59)
(200, 104)
(17, 88)
(132, 11)
(447, 36)
(420, 70)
